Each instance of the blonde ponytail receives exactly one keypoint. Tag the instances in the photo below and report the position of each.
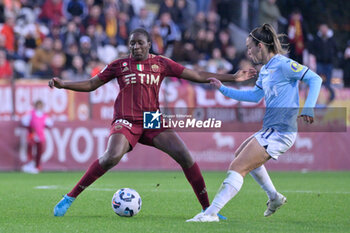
(267, 35)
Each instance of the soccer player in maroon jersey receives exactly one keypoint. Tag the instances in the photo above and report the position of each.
(139, 77)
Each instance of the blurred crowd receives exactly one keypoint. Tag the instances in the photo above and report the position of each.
(74, 39)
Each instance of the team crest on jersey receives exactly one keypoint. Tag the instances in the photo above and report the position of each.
(140, 67)
(155, 68)
(124, 64)
(118, 127)
(295, 66)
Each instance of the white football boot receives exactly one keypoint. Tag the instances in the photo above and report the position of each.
(201, 217)
(273, 205)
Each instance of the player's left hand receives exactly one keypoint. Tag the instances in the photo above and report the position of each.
(307, 119)
(243, 75)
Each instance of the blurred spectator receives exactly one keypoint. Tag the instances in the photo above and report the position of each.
(126, 7)
(228, 10)
(71, 51)
(107, 53)
(123, 51)
(144, 20)
(185, 52)
(205, 43)
(30, 44)
(198, 24)
(346, 65)
(70, 34)
(91, 3)
(75, 9)
(203, 6)
(122, 28)
(325, 51)
(218, 64)
(94, 67)
(183, 15)
(110, 4)
(6, 71)
(111, 25)
(213, 21)
(96, 35)
(231, 56)
(158, 44)
(42, 58)
(35, 121)
(269, 13)
(3, 44)
(95, 17)
(58, 59)
(55, 32)
(77, 71)
(169, 32)
(31, 34)
(52, 12)
(224, 41)
(86, 51)
(167, 6)
(7, 29)
(2, 12)
(138, 5)
(12, 6)
(297, 36)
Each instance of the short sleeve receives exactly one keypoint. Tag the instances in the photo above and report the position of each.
(109, 72)
(292, 70)
(172, 69)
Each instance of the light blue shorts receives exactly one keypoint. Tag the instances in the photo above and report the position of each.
(274, 142)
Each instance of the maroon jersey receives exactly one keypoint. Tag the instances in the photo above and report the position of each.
(139, 83)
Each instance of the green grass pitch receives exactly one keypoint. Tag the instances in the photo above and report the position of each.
(317, 202)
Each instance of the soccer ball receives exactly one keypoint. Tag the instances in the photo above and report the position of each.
(126, 202)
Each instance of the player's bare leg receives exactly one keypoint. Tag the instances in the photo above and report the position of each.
(117, 146)
(252, 156)
(261, 176)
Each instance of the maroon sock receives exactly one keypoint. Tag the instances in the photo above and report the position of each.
(39, 150)
(29, 151)
(93, 173)
(194, 176)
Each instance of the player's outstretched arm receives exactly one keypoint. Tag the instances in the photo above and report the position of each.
(202, 76)
(253, 95)
(82, 86)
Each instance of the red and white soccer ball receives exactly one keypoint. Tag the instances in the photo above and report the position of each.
(126, 202)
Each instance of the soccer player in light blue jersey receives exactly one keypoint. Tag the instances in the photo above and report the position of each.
(278, 82)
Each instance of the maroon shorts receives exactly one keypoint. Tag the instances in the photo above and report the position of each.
(134, 132)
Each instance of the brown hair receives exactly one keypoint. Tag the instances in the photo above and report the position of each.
(267, 35)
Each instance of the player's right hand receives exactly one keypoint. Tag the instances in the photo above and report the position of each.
(56, 82)
(215, 82)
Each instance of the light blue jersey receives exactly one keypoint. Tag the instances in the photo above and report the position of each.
(278, 82)
(279, 79)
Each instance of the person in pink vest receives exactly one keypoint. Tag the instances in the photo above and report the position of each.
(35, 121)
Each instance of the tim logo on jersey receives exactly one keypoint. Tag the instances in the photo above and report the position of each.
(151, 120)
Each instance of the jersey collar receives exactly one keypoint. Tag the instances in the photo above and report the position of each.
(270, 61)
